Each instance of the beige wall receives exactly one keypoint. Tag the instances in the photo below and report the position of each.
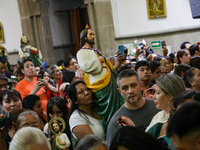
(10, 19)
(100, 17)
(101, 21)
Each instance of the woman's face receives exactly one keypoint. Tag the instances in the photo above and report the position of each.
(11, 104)
(171, 65)
(46, 76)
(162, 100)
(196, 80)
(56, 112)
(28, 120)
(38, 108)
(83, 94)
(73, 65)
(164, 66)
(185, 59)
(57, 73)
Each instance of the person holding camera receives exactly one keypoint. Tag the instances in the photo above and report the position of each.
(30, 85)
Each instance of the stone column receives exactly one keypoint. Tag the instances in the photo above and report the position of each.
(101, 21)
(36, 26)
(46, 37)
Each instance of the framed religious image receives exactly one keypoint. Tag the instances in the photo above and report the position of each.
(1, 33)
(156, 8)
(59, 140)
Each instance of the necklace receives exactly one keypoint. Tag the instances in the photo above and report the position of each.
(100, 54)
(96, 50)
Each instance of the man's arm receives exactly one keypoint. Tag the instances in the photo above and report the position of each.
(120, 59)
(165, 51)
(111, 131)
(89, 62)
(36, 87)
(48, 86)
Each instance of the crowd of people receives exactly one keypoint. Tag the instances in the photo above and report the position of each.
(93, 102)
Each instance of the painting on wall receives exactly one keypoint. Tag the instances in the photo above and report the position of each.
(156, 8)
(1, 33)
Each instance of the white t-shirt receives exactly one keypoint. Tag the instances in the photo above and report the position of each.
(46, 130)
(95, 125)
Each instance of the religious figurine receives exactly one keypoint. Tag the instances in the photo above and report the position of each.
(100, 77)
(3, 52)
(59, 141)
(28, 51)
(25, 46)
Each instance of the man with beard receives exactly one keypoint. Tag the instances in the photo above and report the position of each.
(61, 139)
(139, 109)
(100, 77)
